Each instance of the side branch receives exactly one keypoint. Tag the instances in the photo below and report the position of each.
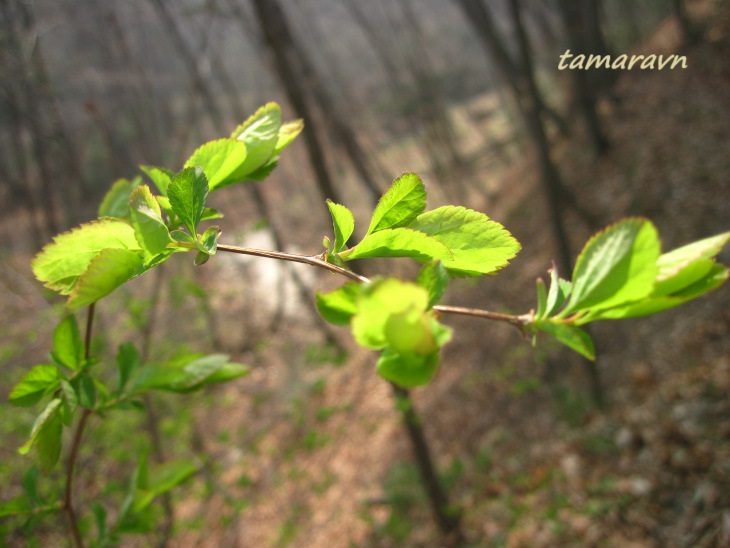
(318, 261)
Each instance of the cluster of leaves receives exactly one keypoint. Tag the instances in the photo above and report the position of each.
(69, 383)
(397, 317)
(138, 230)
(621, 273)
(135, 232)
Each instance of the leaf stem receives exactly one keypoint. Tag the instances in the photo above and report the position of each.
(76, 444)
(318, 261)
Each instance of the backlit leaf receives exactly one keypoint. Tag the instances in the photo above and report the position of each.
(478, 245)
(261, 135)
(407, 369)
(343, 222)
(435, 278)
(149, 228)
(160, 176)
(616, 266)
(36, 383)
(48, 413)
(60, 263)
(338, 306)
(188, 192)
(116, 201)
(221, 161)
(399, 242)
(571, 336)
(48, 442)
(107, 271)
(403, 202)
(68, 348)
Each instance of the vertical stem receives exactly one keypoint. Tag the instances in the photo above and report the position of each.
(449, 522)
(76, 444)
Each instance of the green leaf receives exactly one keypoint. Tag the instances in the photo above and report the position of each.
(210, 214)
(46, 415)
(685, 265)
(616, 266)
(264, 171)
(407, 370)
(261, 135)
(149, 228)
(571, 336)
(60, 263)
(100, 518)
(85, 390)
(288, 132)
(340, 305)
(182, 236)
(398, 242)
(379, 301)
(128, 361)
(160, 176)
(401, 204)
(16, 507)
(188, 375)
(48, 442)
(541, 300)
(343, 222)
(559, 291)
(107, 271)
(478, 245)
(70, 402)
(36, 383)
(116, 201)
(209, 240)
(187, 193)
(68, 348)
(221, 161)
(164, 478)
(435, 278)
(712, 279)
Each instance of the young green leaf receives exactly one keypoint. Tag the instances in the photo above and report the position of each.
(478, 245)
(128, 361)
(261, 135)
(264, 171)
(398, 242)
(221, 162)
(712, 279)
(210, 214)
(683, 266)
(435, 279)
(116, 201)
(408, 370)
(165, 477)
(343, 222)
(85, 390)
(60, 263)
(616, 266)
(149, 228)
(380, 300)
(209, 240)
(68, 348)
(36, 383)
(160, 176)
(107, 271)
(51, 410)
(403, 202)
(559, 291)
(70, 402)
(188, 192)
(338, 306)
(188, 375)
(184, 237)
(571, 336)
(287, 133)
(48, 442)
(541, 300)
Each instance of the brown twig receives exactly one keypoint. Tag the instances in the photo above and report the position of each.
(318, 261)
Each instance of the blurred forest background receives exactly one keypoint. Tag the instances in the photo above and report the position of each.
(533, 447)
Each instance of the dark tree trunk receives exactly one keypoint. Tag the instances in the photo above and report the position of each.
(584, 38)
